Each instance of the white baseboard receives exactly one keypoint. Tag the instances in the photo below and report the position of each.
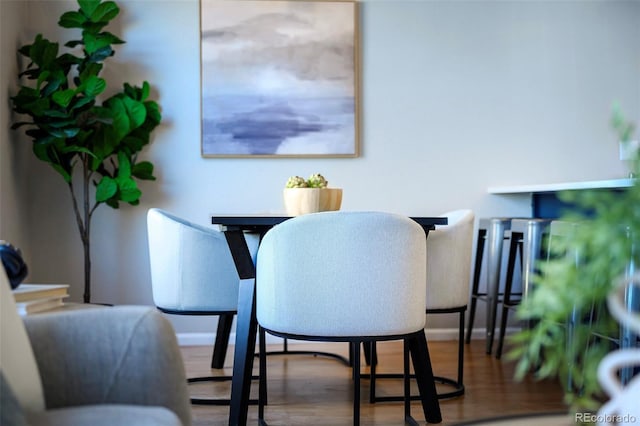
(433, 334)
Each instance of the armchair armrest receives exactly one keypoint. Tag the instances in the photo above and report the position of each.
(119, 355)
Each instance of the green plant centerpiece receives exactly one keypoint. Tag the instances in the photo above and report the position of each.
(88, 137)
(302, 196)
(316, 180)
(607, 239)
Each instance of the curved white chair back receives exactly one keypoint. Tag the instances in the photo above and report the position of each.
(449, 251)
(191, 266)
(343, 274)
(622, 407)
(17, 360)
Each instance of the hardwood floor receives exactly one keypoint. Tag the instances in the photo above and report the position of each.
(308, 390)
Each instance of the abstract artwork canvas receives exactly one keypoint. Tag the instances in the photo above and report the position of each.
(279, 78)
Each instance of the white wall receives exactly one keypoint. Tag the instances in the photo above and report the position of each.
(456, 97)
(14, 160)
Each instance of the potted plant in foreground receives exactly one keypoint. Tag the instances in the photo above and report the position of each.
(608, 243)
(88, 137)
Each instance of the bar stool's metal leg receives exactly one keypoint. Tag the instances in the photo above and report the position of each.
(495, 236)
(514, 246)
(531, 253)
(529, 232)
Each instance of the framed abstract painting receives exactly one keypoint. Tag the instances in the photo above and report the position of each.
(279, 78)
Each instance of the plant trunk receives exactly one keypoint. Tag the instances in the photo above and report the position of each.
(86, 245)
(83, 220)
(86, 239)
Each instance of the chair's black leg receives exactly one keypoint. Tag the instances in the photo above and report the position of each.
(424, 377)
(350, 354)
(222, 340)
(262, 391)
(356, 383)
(476, 281)
(461, 350)
(407, 383)
(372, 374)
(366, 348)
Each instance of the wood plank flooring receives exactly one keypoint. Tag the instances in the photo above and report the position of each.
(309, 390)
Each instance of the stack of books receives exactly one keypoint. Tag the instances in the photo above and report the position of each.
(32, 298)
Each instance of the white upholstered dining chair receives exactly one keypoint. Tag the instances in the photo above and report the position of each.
(347, 276)
(449, 249)
(193, 273)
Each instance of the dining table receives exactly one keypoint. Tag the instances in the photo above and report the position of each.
(234, 227)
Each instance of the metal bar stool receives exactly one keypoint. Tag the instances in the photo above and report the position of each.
(526, 237)
(492, 232)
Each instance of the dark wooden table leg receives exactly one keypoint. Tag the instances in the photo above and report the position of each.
(424, 377)
(246, 329)
(222, 340)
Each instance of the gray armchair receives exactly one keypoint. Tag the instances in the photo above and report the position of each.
(99, 366)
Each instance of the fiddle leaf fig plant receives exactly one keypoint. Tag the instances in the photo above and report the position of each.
(91, 138)
(605, 242)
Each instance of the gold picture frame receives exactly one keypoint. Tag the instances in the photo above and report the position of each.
(279, 78)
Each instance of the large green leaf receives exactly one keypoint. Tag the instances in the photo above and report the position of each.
(72, 20)
(24, 50)
(101, 54)
(46, 153)
(153, 112)
(107, 188)
(128, 190)
(124, 166)
(64, 97)
(143, 170)
(42, 78)
(136, 111)
(93, 86)
(121, 123)
(131, 143)
(37, 107)
(57, 79)
(67, 59)
(89, 70)
(93, 42)
(83, 101)
(88, 7)
(105, 12)
(43, 52)
(102, 143)
(113, 203)
(145, 91)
